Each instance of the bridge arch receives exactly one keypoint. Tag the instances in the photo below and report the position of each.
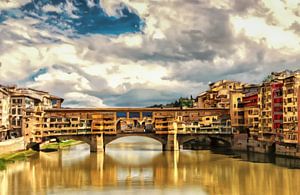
(225, 141)
(110, 139)
(214, 140)
(83, 138)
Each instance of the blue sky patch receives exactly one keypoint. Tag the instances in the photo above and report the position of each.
(78, 16)
(37, 73)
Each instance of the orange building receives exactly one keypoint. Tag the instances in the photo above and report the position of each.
(218, 95)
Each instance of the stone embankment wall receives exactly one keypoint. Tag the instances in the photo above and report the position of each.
(240, 142)
(12, 145)
(288, 151)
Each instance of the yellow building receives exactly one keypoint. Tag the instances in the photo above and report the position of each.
(265, 115)
(218, 95)
(290, 108)
(271, 106)
(208, 121)
(236, 110)
(18, 104)
(251, 110)
(4, 113)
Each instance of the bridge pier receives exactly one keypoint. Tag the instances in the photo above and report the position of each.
(97, 143)
(172, 143)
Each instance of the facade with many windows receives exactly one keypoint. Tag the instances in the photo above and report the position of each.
(17, 104)
(251, 110)
(218, 95)
(290, 109)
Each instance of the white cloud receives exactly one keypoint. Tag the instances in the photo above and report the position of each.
(275, 36)
(77, 100)
(51, 8)
(184, 45)
(9, 4)
(69, 7)
(72, 80)
(284, 11)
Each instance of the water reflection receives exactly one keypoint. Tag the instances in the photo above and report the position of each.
(292, 163)
(130, 171)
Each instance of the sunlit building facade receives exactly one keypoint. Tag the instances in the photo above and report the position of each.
(290, 108)
(251, 110)
(17, 104)
(218, 95)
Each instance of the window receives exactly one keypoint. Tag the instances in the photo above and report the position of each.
(13, 110)
(19, 111)
(241, 121)
(54, 102)
(13, 122)
(290, 91)
(19, 121)
(240, 113)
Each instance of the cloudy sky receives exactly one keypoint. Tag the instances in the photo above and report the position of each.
(137, 53)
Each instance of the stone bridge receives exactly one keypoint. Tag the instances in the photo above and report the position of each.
(171, 127)
(169, 142)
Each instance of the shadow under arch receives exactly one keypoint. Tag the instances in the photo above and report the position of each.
(219, 141)
(209, 140)
(83, 138)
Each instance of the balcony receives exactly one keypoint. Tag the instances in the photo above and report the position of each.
(290, 141)
(161, 127)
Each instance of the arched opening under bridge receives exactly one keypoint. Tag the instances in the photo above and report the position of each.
(134, 143)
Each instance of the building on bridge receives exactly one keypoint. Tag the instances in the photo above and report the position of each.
(99, 126)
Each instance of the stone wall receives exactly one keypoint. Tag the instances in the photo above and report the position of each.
(12, 145)
(240, 142)
(288, 151)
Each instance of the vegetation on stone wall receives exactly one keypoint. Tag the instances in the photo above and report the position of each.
(181, 102)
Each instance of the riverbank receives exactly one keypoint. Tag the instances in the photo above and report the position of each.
(14, 156)
(12, 145)
(24, 154)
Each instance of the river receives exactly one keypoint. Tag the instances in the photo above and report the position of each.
(142, 168)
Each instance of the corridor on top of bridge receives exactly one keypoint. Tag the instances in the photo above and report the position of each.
(134, 122)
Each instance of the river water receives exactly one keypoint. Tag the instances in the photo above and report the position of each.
(142, 168)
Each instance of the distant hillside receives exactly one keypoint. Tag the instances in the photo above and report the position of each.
(181, 102)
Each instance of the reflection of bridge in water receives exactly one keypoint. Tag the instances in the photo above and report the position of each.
(172, 127)
(216, 174)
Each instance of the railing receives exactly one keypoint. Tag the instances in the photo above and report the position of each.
(290, 141)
